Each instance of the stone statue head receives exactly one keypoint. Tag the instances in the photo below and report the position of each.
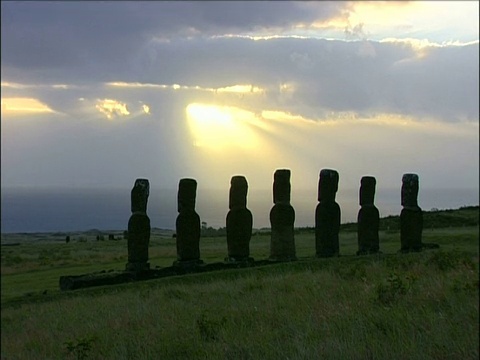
(409, 190)
(139, 195)
(367, 190)
(327, 185)
(238, 192)
(187, 192)
(281, 186)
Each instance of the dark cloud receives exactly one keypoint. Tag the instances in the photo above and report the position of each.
(444, 82)
(87, 43)
(38, 35)
(360, 76)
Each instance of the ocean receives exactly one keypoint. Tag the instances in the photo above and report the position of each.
(53, 210)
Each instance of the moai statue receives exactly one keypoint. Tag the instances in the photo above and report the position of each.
(139, 228)
(411, 216)
(187, 225)
(282, 219)
(327, 215)
(239, 222)
(368, 220)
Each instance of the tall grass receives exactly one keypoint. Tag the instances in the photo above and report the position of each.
(409, 306)
(338, 310)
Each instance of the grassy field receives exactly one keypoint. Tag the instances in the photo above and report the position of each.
(396, 306)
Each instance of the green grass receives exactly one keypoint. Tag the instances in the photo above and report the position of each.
(396, 306)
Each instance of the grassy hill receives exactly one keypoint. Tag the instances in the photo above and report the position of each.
(434, 219)
(396, 306)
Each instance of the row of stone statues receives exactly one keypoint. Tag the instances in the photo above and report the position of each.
(239, 220)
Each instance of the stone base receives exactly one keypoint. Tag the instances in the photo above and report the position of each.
(96, 279)
(282, 258)
(188, 263)
(423, 246)
(368, 252)
(327, 254)
(409, 250)
(239, 260)
(430, 246)
(136, 267)
(102, 278)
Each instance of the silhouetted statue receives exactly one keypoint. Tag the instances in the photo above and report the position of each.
(139, 228)
(282, 219)
(187, 225)
(239, 222)
(327, 215)
(411, 217)
(368, 220)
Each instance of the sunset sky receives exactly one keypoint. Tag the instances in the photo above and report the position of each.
(97, 94)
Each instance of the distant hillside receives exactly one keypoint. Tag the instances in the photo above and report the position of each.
(464, 216)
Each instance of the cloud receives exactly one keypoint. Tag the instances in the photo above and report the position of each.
(356, 32)
(18, 86)
(122, 84)
(134, 51)
(331, 75)
(240, 89)
(62, 34)
(313, 78)
(24, 106)
(106, 37)
(112, 108)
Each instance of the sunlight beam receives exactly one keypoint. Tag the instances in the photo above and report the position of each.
(13, 106)
(220, 128)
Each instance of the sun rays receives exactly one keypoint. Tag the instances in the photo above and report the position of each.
(220, 128)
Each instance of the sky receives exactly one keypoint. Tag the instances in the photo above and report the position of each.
(97, 94)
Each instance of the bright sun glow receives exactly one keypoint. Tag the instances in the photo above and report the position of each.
(240, 89)
(24, 106)
(221, 127)
(112, 108)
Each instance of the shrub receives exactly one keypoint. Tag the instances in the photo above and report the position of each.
(394, 288)
(465, 286)
(210, 328)
(13, 260)
(448, 260)
(353, 272)
(81, 347)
